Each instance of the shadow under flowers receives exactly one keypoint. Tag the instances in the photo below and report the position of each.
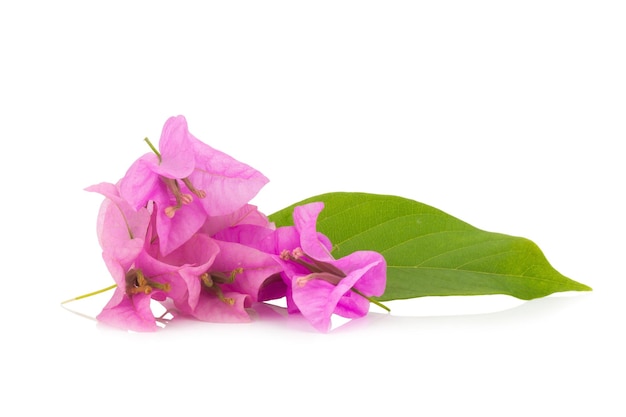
(514, 312)
(405, 315)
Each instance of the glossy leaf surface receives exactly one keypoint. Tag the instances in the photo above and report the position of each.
(431, 253)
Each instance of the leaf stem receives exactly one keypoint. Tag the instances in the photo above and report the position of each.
(154, 149)
(372, 300)
(90, 294)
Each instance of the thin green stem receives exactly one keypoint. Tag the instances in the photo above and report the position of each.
(90, 294)
(154, 149)
(372, 300)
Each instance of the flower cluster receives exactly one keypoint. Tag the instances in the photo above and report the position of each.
(178, 228)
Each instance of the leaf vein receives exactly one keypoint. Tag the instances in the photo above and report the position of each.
(497, 274)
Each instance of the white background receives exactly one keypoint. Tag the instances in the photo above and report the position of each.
(508, 115)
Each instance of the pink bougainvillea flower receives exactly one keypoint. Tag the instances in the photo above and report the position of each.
(188, 181)
(341, 287)
(320, 285)
(148, 279)
(163, 170)
(127, 310)
(254, 267)
(194, 258)
(121, 233)
(232, 283)
(139, 277)
(266, 239)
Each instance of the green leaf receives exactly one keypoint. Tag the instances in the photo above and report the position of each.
(429, 252)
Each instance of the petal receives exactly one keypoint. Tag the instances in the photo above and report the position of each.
(195, 257)
(248, 214)
(272, 288)
(140, 182)
(121, 248)
(176, 148)
(315, 301)
(163, 273)
(212, 309)
(129, 313)
(119, 227)
(257, 267)
(175, 231)
(258, 237)
(372, 281)
(228, 183)
(312, 243)
(116, 269)
(283, 238)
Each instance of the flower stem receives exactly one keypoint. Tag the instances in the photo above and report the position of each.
(155, 150)
(90, 294)
(372, 300)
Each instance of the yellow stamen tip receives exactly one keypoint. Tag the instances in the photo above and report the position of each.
(170, 211)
